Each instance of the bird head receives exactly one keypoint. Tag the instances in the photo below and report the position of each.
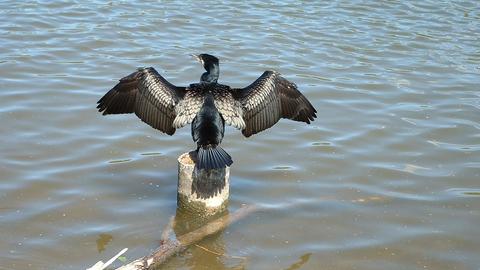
(206, 60)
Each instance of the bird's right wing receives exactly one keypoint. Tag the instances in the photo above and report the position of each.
(147, 94)
(270, 98)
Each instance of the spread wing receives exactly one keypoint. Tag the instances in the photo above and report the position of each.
(148, 95)
(270, 98)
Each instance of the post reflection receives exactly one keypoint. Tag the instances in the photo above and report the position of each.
(210, 252)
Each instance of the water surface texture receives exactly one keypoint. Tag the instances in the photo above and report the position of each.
(387, 177)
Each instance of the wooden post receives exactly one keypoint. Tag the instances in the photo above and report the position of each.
(209, 200)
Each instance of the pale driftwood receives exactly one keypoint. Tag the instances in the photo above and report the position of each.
(170, 247)
(101, 265)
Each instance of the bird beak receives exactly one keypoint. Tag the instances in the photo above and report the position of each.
(197, 58)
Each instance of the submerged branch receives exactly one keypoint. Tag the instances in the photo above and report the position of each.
(169, 247)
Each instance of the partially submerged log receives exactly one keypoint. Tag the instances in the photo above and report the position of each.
(201, 192)
(169, 247)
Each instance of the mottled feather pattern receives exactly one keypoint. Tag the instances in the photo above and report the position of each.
(121, 98)
(229, 108)
(188, 107)
(270, 98)
(148, 95)
(167, 107)
(261, 103)
(295, 105)
(155, 105)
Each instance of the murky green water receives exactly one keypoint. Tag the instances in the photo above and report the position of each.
(387, 177)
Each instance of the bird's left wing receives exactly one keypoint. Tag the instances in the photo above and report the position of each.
(147, 94)
(270, 98)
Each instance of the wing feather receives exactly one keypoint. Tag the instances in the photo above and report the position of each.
(147, 94)
(228, 107)
(189, 106)
(270, 98)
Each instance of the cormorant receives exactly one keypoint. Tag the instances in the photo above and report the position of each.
(208, 106)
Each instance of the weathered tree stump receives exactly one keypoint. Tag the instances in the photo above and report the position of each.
(201, 192)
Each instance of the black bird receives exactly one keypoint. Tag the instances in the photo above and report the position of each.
(208, 106)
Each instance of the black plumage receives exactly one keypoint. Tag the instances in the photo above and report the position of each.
(208, 106)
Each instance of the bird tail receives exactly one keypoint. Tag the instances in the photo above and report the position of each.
(212, 157)
(207, 181)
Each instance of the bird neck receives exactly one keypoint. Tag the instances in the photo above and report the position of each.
(211, 76)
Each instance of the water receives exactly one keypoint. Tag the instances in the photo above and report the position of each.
(385, 178)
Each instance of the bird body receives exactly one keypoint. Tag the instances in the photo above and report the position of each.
(208, 128)
(208, 106)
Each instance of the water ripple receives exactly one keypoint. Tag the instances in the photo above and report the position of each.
(385, 178)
